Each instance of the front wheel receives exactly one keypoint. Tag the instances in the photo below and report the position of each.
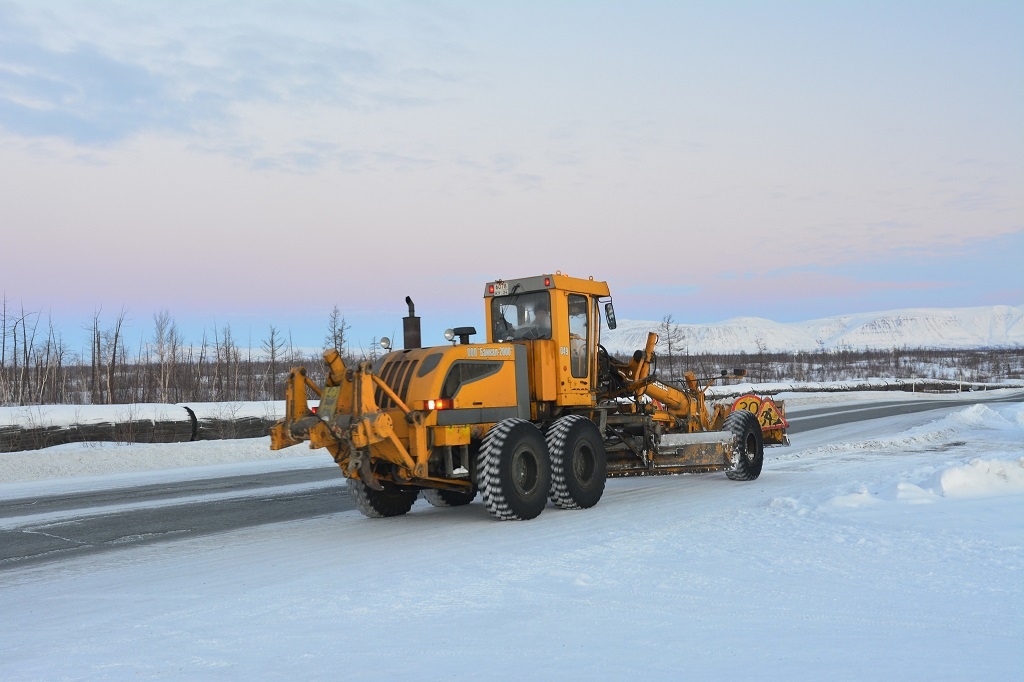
(514, 471)
(375, 504)
(747, 445)
(578, 462)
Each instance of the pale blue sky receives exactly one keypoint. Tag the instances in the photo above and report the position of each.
(257, 163)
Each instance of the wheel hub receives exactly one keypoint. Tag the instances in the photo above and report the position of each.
(524, 472)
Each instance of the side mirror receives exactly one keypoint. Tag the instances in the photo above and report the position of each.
(609, 315)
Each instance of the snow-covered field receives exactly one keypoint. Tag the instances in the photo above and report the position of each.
(877, 550)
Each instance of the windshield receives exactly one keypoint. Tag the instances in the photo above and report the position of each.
(521, 316)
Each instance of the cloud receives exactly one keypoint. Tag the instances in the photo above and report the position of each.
(259, 82)
(81, 95)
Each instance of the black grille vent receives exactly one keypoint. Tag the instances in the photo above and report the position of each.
(396, 374)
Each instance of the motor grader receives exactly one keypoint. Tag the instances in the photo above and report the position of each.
(541, 410)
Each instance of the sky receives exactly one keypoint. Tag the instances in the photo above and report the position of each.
(258, 163)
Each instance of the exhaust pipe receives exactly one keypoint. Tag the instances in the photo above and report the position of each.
(411, 327)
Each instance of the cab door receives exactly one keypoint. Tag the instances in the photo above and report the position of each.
(575, 351)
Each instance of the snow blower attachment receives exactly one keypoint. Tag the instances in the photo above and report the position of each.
(541, 410)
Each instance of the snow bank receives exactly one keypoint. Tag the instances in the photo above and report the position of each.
(914, 388)
(983, 478)
(957, 439)
(63, 416)
(96, 459)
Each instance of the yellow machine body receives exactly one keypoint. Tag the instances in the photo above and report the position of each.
(416, 417)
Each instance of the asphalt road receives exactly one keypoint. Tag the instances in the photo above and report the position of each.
(824, 417)
(45, 529)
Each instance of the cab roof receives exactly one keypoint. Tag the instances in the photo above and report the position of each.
(558, 281)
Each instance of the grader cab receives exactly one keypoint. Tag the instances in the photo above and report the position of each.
(540, 410)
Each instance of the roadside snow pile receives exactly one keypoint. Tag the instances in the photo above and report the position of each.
(958, 438)
(983, 478)
(946, 433)
(98, 459)
(64, 416)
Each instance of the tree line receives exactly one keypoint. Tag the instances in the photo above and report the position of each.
(37, 365)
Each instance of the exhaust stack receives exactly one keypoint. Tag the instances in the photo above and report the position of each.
(411, 327)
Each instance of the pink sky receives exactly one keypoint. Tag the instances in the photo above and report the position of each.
(708, 160)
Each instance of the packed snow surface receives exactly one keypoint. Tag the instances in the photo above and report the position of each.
(886, 549)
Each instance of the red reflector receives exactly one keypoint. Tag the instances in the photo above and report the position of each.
(315, 408)
(490, 288)
(547, 281)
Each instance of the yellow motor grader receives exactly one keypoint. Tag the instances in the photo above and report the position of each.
(540, 410)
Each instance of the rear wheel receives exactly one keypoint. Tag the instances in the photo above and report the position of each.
(392, 501)
(578, 462)
(514, 471)
(447, 498)
(747, 445)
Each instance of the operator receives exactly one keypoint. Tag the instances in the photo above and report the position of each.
(540, 326)
(542, 318)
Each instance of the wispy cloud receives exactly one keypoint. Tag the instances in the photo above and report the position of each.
(210, 75)
(84, 96)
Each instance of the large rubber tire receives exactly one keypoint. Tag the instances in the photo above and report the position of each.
(747, 446)
(578, 462)
(448, 498)
(514, 470)
(375, 504)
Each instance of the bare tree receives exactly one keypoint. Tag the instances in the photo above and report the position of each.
(762, 348)
(24, 377)
(3, 352)
(272, 346)
(162, 325)
(5, 381)
(95, 388)
(337, 331)
(113, 340)
(671, 336)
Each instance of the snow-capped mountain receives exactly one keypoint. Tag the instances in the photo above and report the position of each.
(998, 326)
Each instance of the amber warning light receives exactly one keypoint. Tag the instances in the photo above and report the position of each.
(440, 404)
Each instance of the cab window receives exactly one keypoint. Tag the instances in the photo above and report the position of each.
(521, 316)
(579, 335)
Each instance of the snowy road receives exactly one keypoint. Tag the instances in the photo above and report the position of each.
(57, 527)
(807, 419)
(52, 528)
(889, 548)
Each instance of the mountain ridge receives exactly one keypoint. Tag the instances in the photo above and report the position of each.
(996, 326)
